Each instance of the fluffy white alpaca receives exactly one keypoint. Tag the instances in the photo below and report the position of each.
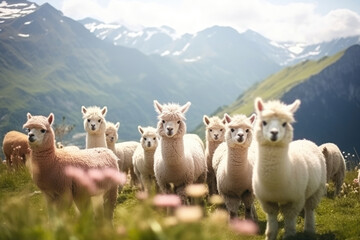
(234, 169)
(49, 169)
(94, 125)
(124, 151)
(179, 159)
(143, 158)
(288, 175)
(214, 136)
(335, 165)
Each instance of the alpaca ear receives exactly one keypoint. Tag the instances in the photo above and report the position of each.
(294, 106)
(51, 118)
(141, 131)
(206, 120)
(104, 111)
(259, 104)
(252, 118)
(83, 109)
(117, 125)
(227, 118)
(185, 107)
(158, 107)
(223, 120)
(28, 115)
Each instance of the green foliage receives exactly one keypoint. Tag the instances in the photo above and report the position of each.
(24, 215)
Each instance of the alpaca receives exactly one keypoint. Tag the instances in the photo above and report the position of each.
(94, 125)
(59, 145)
(234, 169)
(214, 136)
(143, 158)
(335, 165)
(288, 175)
(49, 165)
(124, 151)
(16, 149)
(179, 158)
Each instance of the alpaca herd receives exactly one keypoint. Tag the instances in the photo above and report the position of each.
(244, 158)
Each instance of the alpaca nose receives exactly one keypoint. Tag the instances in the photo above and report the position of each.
(149, 144)
(240, 137)
(216, 136)
(274, 133)
(31, 137)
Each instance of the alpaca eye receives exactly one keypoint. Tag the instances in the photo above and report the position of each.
(28, 129)
(178, 122)
(264, 123)
(221, 130)
(88, 120)
(43, 131)
(232, 130)
(284, 124)
(99, 120)
(107, 135)
(154, 138)
(145, 138)
(163, 121)
(247, 130)
(210, 130)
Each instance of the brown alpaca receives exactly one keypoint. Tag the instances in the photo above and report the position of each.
(16, 149)
(49, 169)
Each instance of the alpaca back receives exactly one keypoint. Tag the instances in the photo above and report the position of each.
(194, 151)
(335, 163)
(306, 158)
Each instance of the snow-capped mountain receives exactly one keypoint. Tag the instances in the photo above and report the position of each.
(165, 42)
(14, 9)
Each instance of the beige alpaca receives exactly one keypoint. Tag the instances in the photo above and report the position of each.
(335, 165)
(234, 171)
(179, 159)
(16, 149)
(124, 151)
(288, 176)
(49, 165)
(143, 158)
(94, 125)
(214, 136)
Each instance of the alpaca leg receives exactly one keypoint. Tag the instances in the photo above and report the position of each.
(232, 205)
(310, 205)
(271, 210)
(180, 191)
(291, 211)
(338, 180)
(202, 178)
(248, 200)
(110, 202)
(211, 182)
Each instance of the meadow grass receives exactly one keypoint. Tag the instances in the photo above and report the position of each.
(23, 215)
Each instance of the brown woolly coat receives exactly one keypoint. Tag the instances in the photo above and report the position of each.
(15, 148)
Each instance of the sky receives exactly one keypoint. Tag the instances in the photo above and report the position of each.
(306, 21)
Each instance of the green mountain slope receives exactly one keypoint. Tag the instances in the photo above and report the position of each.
(330, 93)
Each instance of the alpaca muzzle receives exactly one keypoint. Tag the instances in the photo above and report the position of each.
(31, 137)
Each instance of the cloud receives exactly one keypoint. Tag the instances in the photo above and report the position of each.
(280, 22)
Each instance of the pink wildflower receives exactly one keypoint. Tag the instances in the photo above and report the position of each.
(244, 227)
(167, 200)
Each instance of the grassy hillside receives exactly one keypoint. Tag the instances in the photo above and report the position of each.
(275, 86)
(24, 216)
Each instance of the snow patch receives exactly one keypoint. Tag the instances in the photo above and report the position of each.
(177, 53)
(27, 23)
(23, 35)
(135, 34)
(167, 52)
(189, 60)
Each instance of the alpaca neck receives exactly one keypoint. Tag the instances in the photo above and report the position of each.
(149, 158)
(95, 140)
(173, 150)
(237, 161)
(111, 146)
(273, 164)
(212, 145)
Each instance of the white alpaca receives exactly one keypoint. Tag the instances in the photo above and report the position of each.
(124, 151)
(143, 158)
(179, 159)
(335, 165)
(288, 175)
(49, 169)
(94, 125)
(214, 136)
(234, 169)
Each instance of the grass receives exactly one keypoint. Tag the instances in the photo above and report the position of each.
(23, 214)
